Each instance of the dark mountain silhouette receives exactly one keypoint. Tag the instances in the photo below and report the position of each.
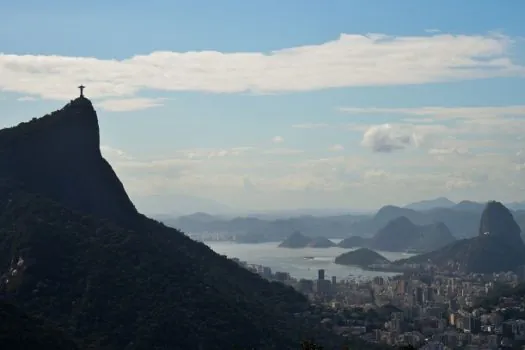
(401, 234)
(461, 223)
(354, 241)
(519, 216)
(298, 240)
(321, 242)
(112, 278)
(59, 157)
(21, 331)
(361, 257)
(497, 247)
(428, 204)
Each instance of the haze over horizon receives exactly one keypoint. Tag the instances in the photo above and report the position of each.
(281, 106)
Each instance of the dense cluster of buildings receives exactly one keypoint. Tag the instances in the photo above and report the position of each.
(426, 310)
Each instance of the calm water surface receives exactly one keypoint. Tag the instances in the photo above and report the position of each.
(293, 262)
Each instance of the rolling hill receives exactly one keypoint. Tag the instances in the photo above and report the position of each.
(110, 277)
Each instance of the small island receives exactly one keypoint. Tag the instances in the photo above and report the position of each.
(362, 257)
(321, 242)
(353, 242)
(298, 240)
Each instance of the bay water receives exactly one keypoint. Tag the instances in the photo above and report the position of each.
(298, 262)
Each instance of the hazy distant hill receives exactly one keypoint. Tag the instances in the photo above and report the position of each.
(400, 234)
(517, 206)
(298, 240)
(250, 229)
(354, 241)
(428, 204)
(461, 223)
(469, 206)
(462, 220)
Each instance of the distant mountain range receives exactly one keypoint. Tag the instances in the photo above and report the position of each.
(174, 205)
(428, 204)
(398, 235)
(443, 202)
(497, 247)
(462, 220)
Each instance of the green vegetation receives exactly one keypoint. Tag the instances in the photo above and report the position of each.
(19, 331)
(113, 288)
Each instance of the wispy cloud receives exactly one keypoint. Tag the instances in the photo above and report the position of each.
(442, 113)
(278, 139)
(451, 150)
(310, 126)
(282, 151)
(209, 153)
(350, 60)
(337, 148)
(26, 99)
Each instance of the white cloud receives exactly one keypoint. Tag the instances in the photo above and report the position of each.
(278, 139)
(386, 138)
(130, 104)
(438, 129)
(350, 60)
(26, 99)
(432, 30)
(337, 148)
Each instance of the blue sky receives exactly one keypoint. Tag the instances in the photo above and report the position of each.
(280, 105)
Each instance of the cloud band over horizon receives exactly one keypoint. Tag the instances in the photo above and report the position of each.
(350, 60)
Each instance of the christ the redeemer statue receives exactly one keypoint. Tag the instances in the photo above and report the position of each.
(81, 87)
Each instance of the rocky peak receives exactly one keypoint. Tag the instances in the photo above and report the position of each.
(497, 221)
(59, 156)
(401, 222)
